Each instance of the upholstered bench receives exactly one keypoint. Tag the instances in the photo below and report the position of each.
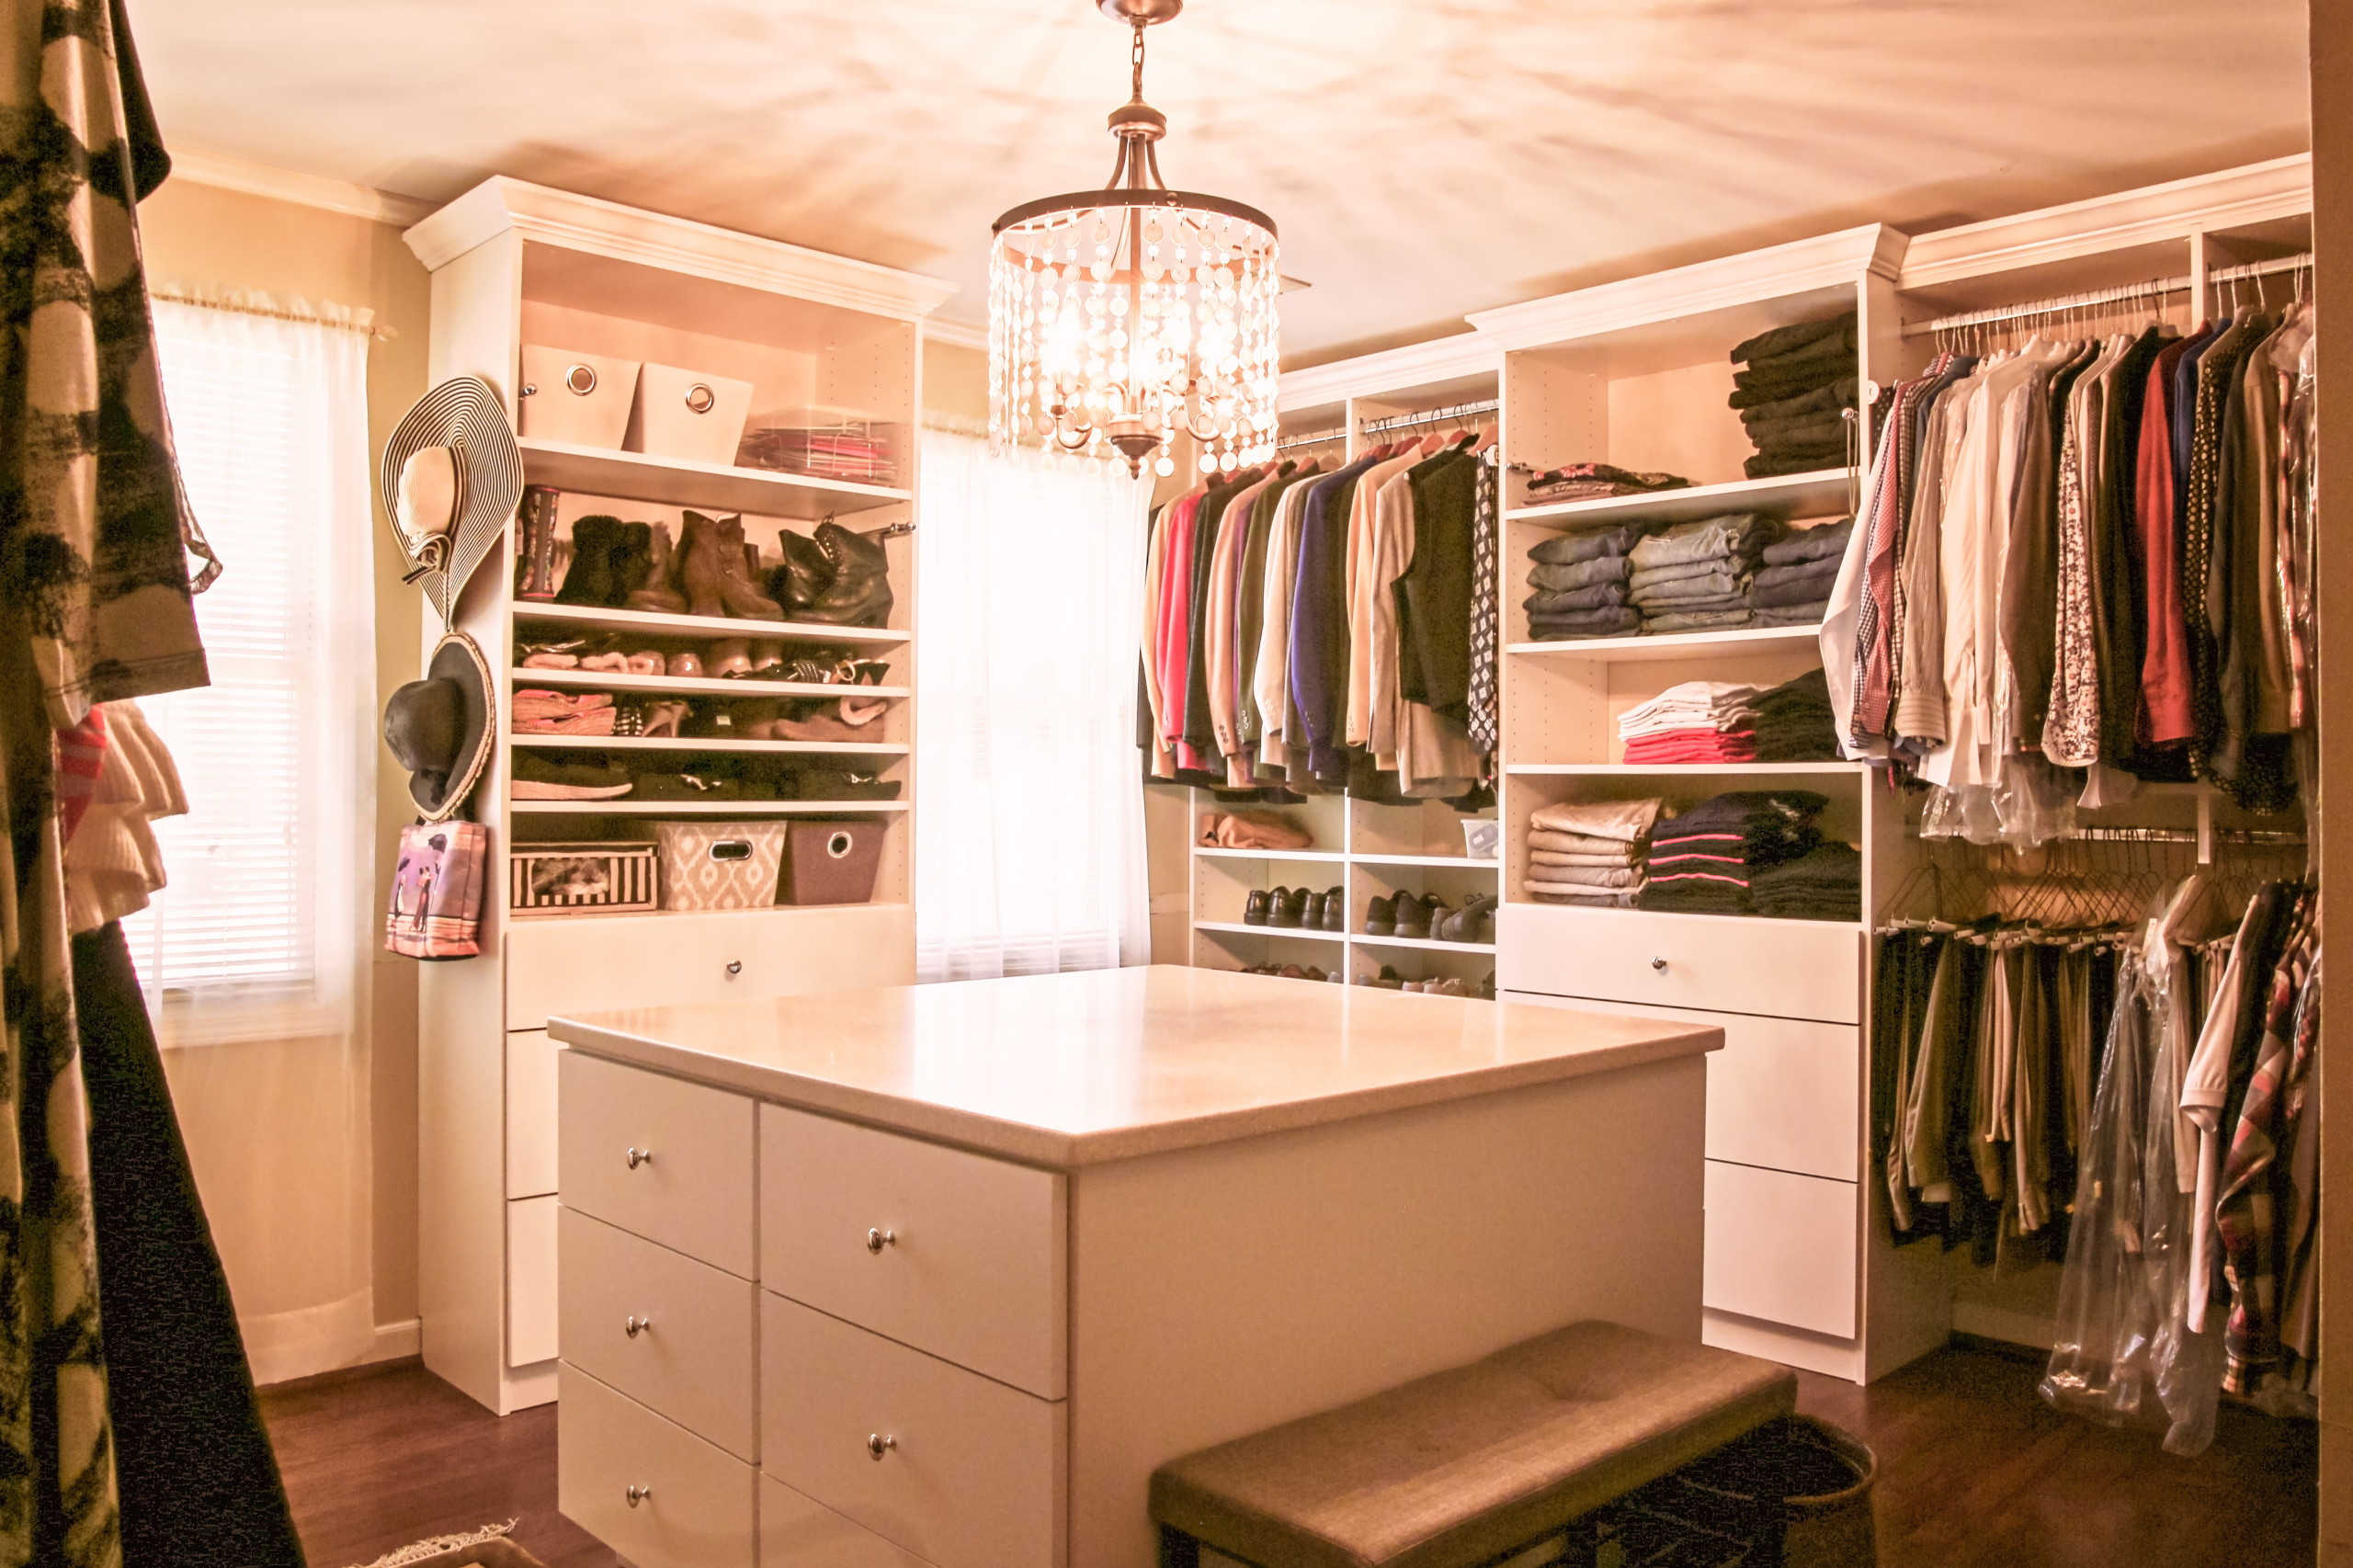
(1463, 1467)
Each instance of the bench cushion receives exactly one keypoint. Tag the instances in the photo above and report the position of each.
(1456, 1467)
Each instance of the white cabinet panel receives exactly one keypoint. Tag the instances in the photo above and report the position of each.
(669, 1160)
(1787, 969)
(1781, 1247)
(648, 1488)
(952, 1252)
(801, 1532)
(530, 1113)
(530, 1281)
(675, 1335)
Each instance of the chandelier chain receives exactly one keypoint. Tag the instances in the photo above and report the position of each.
(1136, 58)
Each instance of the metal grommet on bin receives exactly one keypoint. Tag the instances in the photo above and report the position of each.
(580, 380)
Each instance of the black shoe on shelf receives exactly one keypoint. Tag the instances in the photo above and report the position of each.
(1380, 916)
(1286, 907)
(1413, 915)
(1336, 910)
(1311, 918)
(1255, 907)
(1472, 923)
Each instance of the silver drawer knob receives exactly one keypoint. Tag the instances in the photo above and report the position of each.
(877, 1240)
(637, 1495)
(635, 1325)
(1659, 964)
(877, 1445)
(637, 1157)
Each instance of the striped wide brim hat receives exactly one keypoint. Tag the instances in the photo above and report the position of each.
(450, 479)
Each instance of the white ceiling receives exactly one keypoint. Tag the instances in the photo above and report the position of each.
(1421, 158)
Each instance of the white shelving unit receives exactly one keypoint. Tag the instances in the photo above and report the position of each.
(513, 264)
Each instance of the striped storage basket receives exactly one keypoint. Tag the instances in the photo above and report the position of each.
(581, 878)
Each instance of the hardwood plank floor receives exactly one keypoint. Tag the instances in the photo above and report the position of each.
(1974, 1472)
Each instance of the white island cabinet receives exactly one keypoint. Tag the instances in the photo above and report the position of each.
(939, 1275)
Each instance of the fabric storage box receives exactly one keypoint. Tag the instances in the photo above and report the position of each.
(832, 862)
(719, 865)
(686, 415)
(1481, 837)
(583, 400)
(591, 877)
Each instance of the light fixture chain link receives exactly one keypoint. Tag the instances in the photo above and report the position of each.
(1136, 58)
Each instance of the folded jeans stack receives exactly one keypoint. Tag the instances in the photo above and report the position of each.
(1792, 586)
(562, 713)
(1824, 884)
(1581, 583)
(1794, 395)
(1589, 852)
(1703, 861)
(1593, 482)
(1692, 721)
(1794, 722)
(1696, 576)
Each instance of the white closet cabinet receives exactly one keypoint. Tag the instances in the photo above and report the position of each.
(515, 265)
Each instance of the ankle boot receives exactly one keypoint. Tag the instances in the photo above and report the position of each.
(859, 594)
(658, 594)
(807, 571)
(633, 560)
(589, 580)
(699, 566)
(736, 591)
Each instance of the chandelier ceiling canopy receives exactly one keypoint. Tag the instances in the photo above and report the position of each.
(1123, 315)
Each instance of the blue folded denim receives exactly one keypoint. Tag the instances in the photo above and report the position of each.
(1699, 620)
(1568, 601)
(1614, 622)
(1580, 573)
(1792, 615)
(1736, 534)
(1714, 586)
(1811, 544)
(1567, 550)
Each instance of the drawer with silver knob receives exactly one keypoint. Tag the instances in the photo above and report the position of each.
(953, 1253)
(1782, 969)
(672, 1334)
(660, 1158)
(647, 1487)
(956, 1467)
(798, 1531)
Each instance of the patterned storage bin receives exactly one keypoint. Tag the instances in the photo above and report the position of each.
(719, 865)
(575, 878)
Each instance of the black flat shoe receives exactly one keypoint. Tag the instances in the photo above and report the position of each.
(1287, 908)
(1413, 917)
(1471, 923)
(1311, 917)
(1380, 916)
(1255, 908)
(1336, 910)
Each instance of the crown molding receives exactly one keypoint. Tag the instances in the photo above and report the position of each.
(955, 333)
(536, 212)
(1824, 261)
(2228, 198)
(1390, 370)
(222, 172)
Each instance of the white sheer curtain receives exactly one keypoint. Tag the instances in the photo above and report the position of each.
(1030, 847)
(255, 956)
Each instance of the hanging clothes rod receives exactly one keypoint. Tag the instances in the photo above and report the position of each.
(1397, 422)
(2154, 288)
(2248, 835)
(1315, 439)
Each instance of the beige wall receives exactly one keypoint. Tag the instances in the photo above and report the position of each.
(200, 234)
(956, 381)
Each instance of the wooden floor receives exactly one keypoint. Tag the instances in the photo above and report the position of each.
(1974, 1471)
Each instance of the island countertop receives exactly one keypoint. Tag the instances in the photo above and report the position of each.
(1065, 1071)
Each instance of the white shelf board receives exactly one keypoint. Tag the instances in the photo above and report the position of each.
(663, 743)
(1675, 644)
(1213, 853)
(673, 482)
(703, 625)
(1635, 770)
(777, 910)
(629, 808)
(1524, 903)
(1427, 944)
(1791, 495)
(1236, 928)
(683, 685)
(1449, 860)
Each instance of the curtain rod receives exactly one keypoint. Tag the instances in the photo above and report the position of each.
(1398, 422)
(2153, 288)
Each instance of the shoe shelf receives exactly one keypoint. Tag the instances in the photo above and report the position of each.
(1787, 496)
(1333, 857)
(1639, 769)
(625, 807)
(666, 744)
(747, 687)
(704, 625)
(765, 912)
(1241, 928)
(719, 487)
(1428, 944)
(1674, 646)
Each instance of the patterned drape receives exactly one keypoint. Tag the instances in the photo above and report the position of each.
(94, 604)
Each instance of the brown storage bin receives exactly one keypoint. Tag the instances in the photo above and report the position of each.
(831, 862)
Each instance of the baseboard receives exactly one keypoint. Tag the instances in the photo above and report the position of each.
(396, 1340)
(395, 1343)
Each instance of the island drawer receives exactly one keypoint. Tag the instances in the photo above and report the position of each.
(675, 1335)
(955, 1254)
(801, 1532)
(647, 1487)
(971, 1471)
(570, 965)
(1781, 1247)
(1786, 969)
(668, 1160)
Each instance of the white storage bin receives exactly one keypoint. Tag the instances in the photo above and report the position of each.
(687, 415)
(583, 400)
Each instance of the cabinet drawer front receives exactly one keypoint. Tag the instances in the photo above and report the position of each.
(530, 1113)
(690, 1359)
(1784, 969)
(604, 962)
(691, 1188)
(530, 1281)
(1782, 1093)
(973, 1268)
(1780, 1247)
(975, 1479)
(801, 1532)
(698, 1505)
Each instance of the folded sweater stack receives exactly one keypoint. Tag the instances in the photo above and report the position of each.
(1704, 861)
(1693, 722)
(1592, 481)
(1589, 852)
(1794, 722)
(1581, 583)
(1824, 883)
(1697, 577)
(1792, 586)
(1794, 395)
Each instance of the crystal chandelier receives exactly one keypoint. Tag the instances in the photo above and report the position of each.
(1126, 314)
